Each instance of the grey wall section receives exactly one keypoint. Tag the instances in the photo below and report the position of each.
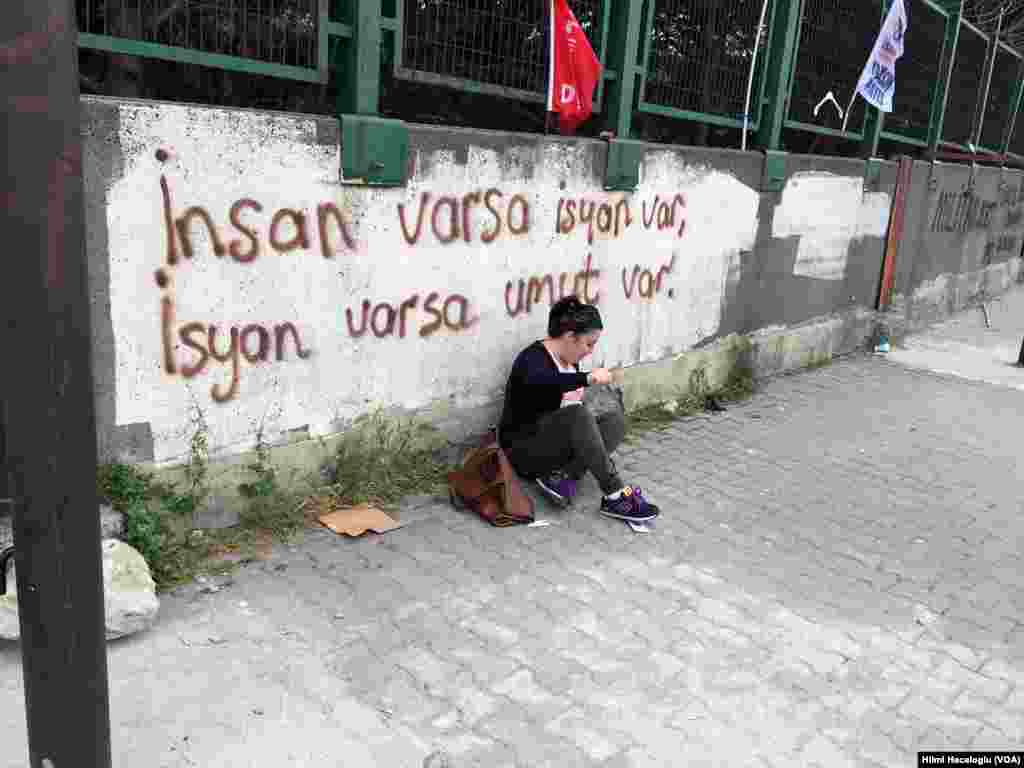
(102, 164)
(770, 294)
(962, 240)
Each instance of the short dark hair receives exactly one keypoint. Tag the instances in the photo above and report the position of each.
(569, 314)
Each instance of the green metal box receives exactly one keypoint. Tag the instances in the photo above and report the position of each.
(374, 151)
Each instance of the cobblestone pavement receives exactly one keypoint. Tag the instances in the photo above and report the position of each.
(836, 580)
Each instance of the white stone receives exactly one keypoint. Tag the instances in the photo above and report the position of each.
(129, 594)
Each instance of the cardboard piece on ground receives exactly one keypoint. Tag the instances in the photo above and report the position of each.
(358, 520)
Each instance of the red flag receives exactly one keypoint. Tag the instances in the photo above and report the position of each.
(574, 70)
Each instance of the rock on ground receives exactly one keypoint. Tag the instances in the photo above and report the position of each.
(129, 594)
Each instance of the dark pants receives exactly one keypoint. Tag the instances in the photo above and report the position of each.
(571, 439)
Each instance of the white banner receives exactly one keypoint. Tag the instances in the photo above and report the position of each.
(877, 82)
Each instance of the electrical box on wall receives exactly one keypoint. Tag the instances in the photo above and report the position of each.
(623, 171)
(374, 151)
(774, 177)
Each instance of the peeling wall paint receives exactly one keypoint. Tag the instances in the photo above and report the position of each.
(828, 212)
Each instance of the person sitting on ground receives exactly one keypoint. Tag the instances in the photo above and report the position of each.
(549, 434)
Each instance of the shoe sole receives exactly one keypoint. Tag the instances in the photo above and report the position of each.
(629, 518)
(555, 498)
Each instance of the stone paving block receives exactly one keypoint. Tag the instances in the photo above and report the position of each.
(991, 688)
(1016, 699)
(485, 666)
(598, 746)
(815, 593)
(989, 738)
(436, 674)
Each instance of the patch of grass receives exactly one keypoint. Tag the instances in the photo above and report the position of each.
(739, 385)
(269, 508)
(158, 516)
(381, 461)
(158, 523)
(148, 509)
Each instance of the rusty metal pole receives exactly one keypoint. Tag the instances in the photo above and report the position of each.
(49, 428)
(895, 234)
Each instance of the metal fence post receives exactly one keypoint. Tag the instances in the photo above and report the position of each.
(873, 118)
(779, 73)
(1015, 101)
(872, 131)
(47, 385)
(360, 71)
(990, 65)
(938, 111)
(626, 19)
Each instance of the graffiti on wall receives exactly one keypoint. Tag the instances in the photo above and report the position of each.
(205, 344)
(247, 232)
(961, 210)
(451, 217)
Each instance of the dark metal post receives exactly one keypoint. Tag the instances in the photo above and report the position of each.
(779, 66)
(359, 91)
(938, 107)
(626, 20)
(990, 66)
(47, 387)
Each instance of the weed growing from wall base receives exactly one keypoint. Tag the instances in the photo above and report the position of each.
(129, 491)
(268, 506)
(739, 385)
(380, 461)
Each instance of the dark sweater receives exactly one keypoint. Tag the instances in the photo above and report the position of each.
(535, 387)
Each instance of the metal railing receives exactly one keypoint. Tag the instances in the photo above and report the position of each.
(830, 55)
(690, 59)
(918, 77)
(698, 55)
(486, 46)
(279, 38)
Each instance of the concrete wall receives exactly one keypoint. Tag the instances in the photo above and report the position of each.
(235, 279)
(962, 240)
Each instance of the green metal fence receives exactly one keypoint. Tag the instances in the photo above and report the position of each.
(687, 60)
(698, 56)
(965, 85)
(1000, 105)
(486, 46)
(918, 73)
(281, 38)
(830, 55)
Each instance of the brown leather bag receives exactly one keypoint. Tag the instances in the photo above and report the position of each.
(487, 484)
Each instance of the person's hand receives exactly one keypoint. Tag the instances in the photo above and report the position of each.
(576, 396)
(601, 376)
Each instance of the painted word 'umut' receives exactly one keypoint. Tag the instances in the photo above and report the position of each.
(531, 290)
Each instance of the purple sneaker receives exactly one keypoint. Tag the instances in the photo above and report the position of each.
(558, 487)
(630, 505)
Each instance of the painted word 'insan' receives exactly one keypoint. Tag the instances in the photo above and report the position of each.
(289, 230)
